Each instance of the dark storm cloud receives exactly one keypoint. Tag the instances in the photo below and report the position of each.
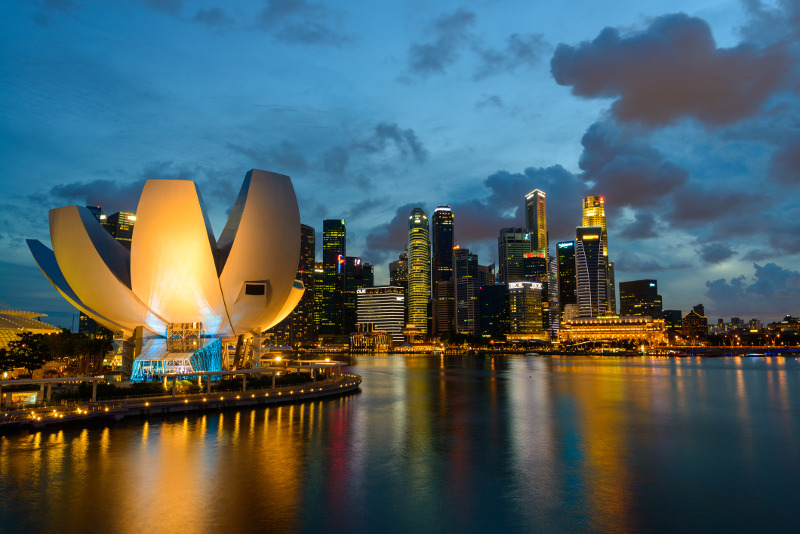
(780, 231)
(520, 50)
(303, 22)
(713, 253)
(672, 70)
(630, 262)
(773, 288)
(390, 239)
(449, 33)
(643, 226)
(627, 170)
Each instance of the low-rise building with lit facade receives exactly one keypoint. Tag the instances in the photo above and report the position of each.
(614, 328)
(384, 308)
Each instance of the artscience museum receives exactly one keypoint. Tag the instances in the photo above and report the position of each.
(178, 295)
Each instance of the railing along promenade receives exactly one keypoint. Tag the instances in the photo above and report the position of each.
(117, 408)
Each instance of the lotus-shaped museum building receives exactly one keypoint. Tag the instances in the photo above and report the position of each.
(175, 272)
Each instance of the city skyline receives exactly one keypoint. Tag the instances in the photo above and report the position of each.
(470, 106)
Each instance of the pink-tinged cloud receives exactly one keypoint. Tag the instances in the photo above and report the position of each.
(673, 70)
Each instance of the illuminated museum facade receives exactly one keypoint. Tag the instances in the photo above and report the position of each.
(175, 271)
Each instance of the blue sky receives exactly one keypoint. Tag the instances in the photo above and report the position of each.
(683, 114)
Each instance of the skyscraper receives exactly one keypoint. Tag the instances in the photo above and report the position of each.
(640, 298)
(357, 275)
(493, 300)
(334, 251)
(536, 220)
(512, 244)
(384, 308)
(536, 269)
(443, 304)
(567, 281)
(419, 269)
(398, 271)
(590, 267)
(304, 328)
(525, 311)
(120, 225)
(466, 282)
(594, 214)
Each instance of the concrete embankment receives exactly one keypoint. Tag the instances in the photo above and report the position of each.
(37, 418)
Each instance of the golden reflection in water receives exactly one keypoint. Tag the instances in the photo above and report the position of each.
(602, 409)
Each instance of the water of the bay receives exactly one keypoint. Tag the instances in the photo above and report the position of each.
(442, 444)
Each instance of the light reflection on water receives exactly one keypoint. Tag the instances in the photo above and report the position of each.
(436, 444)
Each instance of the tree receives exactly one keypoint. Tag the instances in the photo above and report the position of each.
(29, 351)
(7, 361)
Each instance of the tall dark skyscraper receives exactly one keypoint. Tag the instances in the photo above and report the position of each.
(300, 326)
(567, 281)
(594, 214)
(304, 328)
(493, 299)
(419, 269)
(467, 275)
(590, 267)
(443, 305)
(334, 252)
(640, 298)
(512, 244)
(357, 275)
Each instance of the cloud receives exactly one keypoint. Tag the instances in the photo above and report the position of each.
(172, 7)
(49, 8)
(489, 100)
(624, 168)
(212, 17)
(694, 205)
(672, 70)
(521, 50)
(450, 37)
(771, 24)
(630, 262)
(450, 32)
(390, 239)
(713, 253)
(112, 195)
(383, 138)
(303, 22)
(285, 157)
(785, 164)
(643, 226)
(480, 219)
(771, 288)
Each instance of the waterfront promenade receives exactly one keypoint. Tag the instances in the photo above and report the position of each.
(83, 412)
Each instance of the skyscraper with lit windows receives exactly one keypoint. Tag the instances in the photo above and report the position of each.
(467, 278)
(419, 269)
(536, 220)
(594, 214)
(512, 245)
(590, 267)
(443, 302)
(334, 251)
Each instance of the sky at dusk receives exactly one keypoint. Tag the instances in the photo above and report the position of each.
(684, 115)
